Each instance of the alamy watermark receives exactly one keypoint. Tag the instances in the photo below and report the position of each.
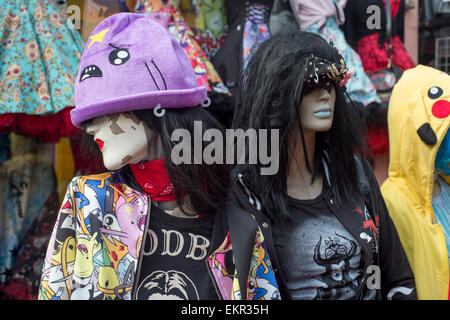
(228, 148)
(74, 16)
(374, 20)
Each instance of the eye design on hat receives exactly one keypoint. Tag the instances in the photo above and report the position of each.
(119, 56)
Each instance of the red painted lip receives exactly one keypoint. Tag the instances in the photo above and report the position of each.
(100, 143)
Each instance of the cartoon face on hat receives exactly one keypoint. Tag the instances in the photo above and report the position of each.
(130, 62)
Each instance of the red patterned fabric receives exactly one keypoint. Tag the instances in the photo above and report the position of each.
(375, 58)
(378, 139)
(153, 178)
(48, 128)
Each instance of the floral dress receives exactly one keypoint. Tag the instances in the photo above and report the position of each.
(39, 57)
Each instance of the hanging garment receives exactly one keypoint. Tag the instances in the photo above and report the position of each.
(40, 55)
(209, 23)
(22, 281)
(371, 42)
(49, 128)
(27, 181)
(418, 122)
(281, 18)
(5, 149)
(256, 30)
(324, 17)
(248, 27)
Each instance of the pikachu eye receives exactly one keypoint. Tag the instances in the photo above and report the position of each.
(435, 92)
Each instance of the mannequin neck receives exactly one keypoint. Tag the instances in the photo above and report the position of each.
(297, 159)
(299, 179)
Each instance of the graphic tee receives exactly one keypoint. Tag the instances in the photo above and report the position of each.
(318, 257)
(173, 266)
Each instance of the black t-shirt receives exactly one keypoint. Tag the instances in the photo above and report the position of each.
(319, 258)
(173, 266)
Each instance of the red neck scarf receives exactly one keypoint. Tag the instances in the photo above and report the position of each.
(153, 178)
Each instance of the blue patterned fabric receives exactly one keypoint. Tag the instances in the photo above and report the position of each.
(256, 30)
(39, 57)
(441, 207)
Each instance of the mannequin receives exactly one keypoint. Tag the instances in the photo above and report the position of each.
(322, 214)
(146, 221)
(416, 191)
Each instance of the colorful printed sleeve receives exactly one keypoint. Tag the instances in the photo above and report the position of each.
(56, 279)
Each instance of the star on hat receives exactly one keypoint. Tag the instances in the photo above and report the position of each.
(97, 37)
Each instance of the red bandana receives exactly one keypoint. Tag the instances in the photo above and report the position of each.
(153, 178)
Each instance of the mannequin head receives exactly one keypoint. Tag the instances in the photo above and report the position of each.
(122, 139)
(287, 87)
(136, 136)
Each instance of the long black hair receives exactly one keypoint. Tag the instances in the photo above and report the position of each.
(204, 184)
(270, 96)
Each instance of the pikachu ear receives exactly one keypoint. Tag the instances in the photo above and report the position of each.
(427, 134)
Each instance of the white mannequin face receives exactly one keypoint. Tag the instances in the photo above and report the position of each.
(317, 110)
(122, 139)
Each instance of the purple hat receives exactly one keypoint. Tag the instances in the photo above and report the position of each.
(129, 63)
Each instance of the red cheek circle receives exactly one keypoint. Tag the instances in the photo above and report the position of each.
(441, 109)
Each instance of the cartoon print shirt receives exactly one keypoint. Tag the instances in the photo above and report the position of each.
(174, 267)
(319, 258)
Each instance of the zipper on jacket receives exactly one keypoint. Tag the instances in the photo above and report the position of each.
(141, 251)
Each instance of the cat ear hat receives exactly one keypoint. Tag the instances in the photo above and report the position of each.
(131, 62)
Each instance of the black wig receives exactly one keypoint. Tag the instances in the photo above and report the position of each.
(270, 96)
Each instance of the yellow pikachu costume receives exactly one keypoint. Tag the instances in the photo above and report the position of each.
(418, 120)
